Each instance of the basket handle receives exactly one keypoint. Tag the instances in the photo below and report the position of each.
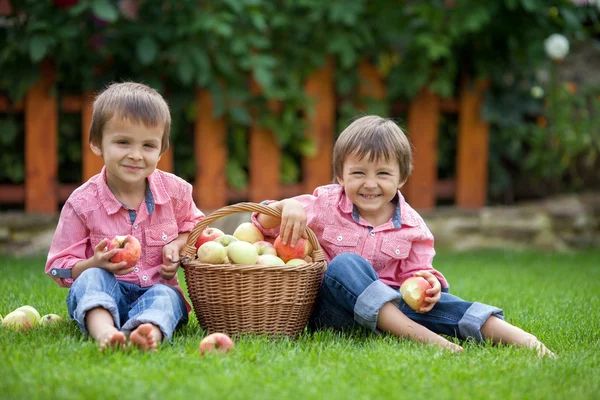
(189, 250)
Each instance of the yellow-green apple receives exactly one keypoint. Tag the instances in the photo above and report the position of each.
(248, 232)
(226, 240)
(129, 250)
(269, 259)
(16, 320)
(208, 235)
(212, 253)
(242, 253)
(50, 319)
(264, 247)
(33, 316)
(414, 292)
(302, 249)
(296, 261)
(219, 342)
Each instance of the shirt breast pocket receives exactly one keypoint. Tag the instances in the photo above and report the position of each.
(157, 237)
(339, 241)
(394, 250)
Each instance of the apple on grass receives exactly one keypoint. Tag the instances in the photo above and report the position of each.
(242, 253)
(212, 253)
(248, 232)
(264, 247)
(286, 252)
(129, 250)
(414, 292)
(208, 235)
(16, 320)
(269, 259)
(218, 342)
(50, 319)
(33, 316)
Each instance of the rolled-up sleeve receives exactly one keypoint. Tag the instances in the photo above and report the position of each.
(69, 244)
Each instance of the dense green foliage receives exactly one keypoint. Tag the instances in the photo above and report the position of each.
(543, 293)
(177, 45)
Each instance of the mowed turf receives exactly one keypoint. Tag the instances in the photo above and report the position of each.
(554, 296)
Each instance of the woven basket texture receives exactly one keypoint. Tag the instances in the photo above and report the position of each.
(251, 299)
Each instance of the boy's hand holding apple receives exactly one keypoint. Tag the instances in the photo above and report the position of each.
(293, 221)
(170, 253)
(104, 258)
(422, 291)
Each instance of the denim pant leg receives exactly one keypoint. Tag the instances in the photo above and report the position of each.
(160, 305)
(94, 288)
(455, 317)
(351, 295)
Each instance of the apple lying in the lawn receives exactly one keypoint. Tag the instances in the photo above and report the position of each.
(129, 250)
(33, 316)
(269, 259)
(286, 252)
(248, 232)
(296, 261)
(414, 292)
(219, 342)
(16, 320)
(212, 253)
(264, 247)
(208, 235)
(50, 319)
(242, 253)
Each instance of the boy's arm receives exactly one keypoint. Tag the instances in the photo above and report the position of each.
(292, 222)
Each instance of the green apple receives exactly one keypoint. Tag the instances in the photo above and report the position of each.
(269, 259)
(32, 314)
(248, 232)
(16, 320)
(50, 319)
(242, 253)
(212, 253)
(296, 261)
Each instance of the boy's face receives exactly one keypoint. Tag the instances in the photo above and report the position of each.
(371, 185)
(130, 151)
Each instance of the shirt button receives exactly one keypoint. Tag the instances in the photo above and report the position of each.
(164, 236)
(135, 226)
(136, 269)
(397, 251)
(372, 233)
(145, 277)
(340, 238)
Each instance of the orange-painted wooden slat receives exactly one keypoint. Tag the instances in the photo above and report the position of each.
(472, 148)
(74, 103)
(166, 161)
(41, 145)
(371, 84)
(423, 125)
(210, 151)
(92, 164)
(265, 160)
(317, 169)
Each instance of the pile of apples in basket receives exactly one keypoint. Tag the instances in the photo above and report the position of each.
(247, 246)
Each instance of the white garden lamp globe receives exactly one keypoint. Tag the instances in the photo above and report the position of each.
(556, 46)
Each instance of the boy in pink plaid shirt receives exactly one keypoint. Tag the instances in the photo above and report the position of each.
(374, 241)
(130, 130)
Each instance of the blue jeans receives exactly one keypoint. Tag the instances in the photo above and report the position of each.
(130, 305)
(351, 295)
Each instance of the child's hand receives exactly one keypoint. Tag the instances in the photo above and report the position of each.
(170, 253)
(102, 259)
(433, 294)
(293, 221)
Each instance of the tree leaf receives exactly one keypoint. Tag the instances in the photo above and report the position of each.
(38, 47)
(105, 10)
(146, 50)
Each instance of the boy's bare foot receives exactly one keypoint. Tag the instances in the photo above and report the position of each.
(112, 338)
(543, 351)
(146, 337)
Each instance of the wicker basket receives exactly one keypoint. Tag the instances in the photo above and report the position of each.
(257, 299)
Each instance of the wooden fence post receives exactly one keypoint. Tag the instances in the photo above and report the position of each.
(265, 159)
(317, 169)
(92, 164)
(41, 145)
(423, 126)
(371, 84)
(472, 147)
(210, 151)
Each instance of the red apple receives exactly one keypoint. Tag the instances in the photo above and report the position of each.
(414, 292)
(248, 232)
(264, 247)
(208, 235)
(16, 320)
(129, 250)
(302, 249)
(216, 342)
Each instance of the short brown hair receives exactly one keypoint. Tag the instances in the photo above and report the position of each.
(132, 101)
(376, 137)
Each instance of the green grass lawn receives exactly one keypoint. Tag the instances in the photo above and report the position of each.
(554, 296)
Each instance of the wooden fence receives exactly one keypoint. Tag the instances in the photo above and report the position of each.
(42, 193)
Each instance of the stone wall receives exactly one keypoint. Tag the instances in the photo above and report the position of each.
(557, 224)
